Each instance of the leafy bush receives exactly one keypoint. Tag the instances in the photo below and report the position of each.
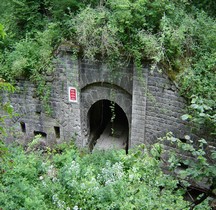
(193, 162)
(32, 58)
(76, 180)
(6, 110)
(202, 116)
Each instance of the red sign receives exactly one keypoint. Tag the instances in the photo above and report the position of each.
(72, 92)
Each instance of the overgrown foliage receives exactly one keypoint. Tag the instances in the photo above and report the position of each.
(6, 110)
(2, 32)
(193, 163)
(66, 178)
(178, 36)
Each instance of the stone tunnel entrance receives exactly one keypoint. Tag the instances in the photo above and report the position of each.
(106, 133)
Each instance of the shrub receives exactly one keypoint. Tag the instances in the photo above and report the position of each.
(77, 180)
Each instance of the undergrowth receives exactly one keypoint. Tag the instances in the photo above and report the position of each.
(67, 178)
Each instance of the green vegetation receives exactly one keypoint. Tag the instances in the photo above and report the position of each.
(2, 33)
(6, 110)
(177, 36)
(66, 178)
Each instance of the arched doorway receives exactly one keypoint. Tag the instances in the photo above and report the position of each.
(108, 126)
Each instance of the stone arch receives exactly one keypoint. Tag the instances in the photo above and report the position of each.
(94, 92)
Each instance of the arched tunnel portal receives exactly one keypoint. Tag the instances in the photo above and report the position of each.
(109, 127)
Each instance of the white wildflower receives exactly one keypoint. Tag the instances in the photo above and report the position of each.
(75, 208)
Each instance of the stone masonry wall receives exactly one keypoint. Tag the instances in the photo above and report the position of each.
(157, 107)
(63, 123)
(164, 107)
(150, 102)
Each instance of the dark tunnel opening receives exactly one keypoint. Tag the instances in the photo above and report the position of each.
(103, 129)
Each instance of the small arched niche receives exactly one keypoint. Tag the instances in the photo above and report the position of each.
(108, 125)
